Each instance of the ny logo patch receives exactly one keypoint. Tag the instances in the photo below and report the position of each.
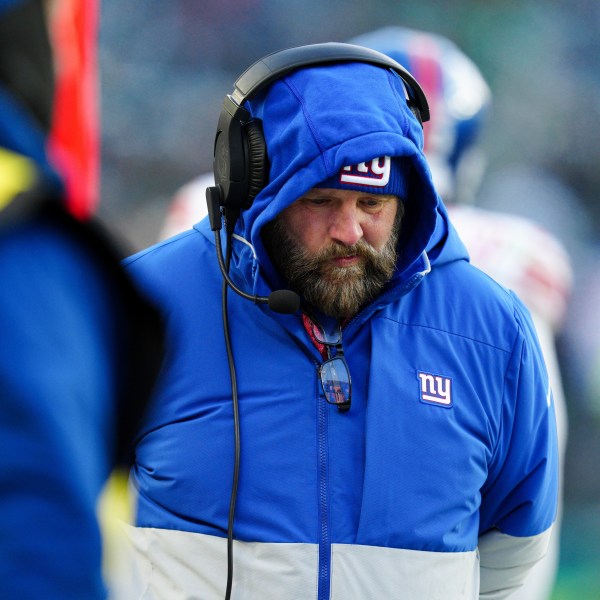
(435, 389)
(375, 173)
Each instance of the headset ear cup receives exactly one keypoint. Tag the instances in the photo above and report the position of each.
(257, 160)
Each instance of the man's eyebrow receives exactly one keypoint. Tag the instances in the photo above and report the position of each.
(318, 193)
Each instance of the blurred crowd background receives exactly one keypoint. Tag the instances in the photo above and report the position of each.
(166, 66)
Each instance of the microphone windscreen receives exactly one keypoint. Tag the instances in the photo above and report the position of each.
(284, 301)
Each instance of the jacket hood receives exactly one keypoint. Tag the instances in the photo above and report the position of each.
(318, 120)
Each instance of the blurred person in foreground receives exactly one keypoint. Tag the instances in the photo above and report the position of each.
(393, 436)
(515, 251)
(79, 346)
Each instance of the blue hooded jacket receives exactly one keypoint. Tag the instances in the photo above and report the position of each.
(446, 458)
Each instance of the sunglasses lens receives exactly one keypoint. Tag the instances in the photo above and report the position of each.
(327, 337)
(336, 381)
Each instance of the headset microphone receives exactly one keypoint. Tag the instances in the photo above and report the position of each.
(280, 301)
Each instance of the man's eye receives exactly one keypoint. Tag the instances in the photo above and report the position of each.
(316, 201)
(371, 203)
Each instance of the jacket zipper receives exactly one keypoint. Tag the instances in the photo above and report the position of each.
(324, 541)
(324, 566)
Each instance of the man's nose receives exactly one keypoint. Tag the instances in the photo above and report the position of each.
(346, 226)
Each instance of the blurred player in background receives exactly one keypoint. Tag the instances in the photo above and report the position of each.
(515, 251)
(79, 346)
(188, 206)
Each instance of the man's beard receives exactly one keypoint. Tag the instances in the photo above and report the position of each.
(335, 291)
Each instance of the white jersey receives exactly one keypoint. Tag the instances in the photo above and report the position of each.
(524, 257)
(520, 255)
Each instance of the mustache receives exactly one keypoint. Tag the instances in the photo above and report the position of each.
(338, 250)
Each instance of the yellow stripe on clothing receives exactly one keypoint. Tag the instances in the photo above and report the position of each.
(17, 174)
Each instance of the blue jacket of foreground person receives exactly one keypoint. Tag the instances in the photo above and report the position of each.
(79, 352)
(440, 482)
(80, 348)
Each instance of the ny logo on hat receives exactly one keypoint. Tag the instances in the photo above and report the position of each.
(374, 173)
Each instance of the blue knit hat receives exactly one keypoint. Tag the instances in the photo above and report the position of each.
(382, 175)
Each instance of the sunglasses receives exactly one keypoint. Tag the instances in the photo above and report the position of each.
(334, 373)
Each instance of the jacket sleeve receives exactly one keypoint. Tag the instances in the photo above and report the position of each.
(519, 499)
(505, 561)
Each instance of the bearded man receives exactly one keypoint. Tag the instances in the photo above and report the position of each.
(391, 435)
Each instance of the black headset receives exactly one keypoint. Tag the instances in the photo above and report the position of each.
(240, 155)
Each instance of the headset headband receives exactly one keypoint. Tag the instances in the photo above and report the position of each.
(240, 155)
(277, 64)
